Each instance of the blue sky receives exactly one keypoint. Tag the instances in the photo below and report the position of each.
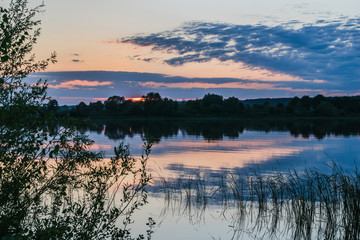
(185, 49)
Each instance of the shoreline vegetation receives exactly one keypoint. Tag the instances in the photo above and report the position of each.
(308, 204)
(220, 118)
(213, 106)
(51, 185)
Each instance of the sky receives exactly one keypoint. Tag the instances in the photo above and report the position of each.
(185, 49)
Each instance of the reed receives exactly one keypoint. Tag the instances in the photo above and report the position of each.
(306, 205)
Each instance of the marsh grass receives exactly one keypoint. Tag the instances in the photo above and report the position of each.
(301, 205)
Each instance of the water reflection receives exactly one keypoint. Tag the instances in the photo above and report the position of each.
(199, 169)
(233, 145)
(181, 147)
(295, 205)
(217, 130)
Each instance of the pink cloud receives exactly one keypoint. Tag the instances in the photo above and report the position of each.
(240, 85)
(75, 84)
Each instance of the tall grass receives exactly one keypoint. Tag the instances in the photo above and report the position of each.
(305, 205)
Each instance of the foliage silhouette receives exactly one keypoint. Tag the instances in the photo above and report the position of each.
(212, 105)
(51, 185)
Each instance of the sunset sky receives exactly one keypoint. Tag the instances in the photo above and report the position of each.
(185, 49)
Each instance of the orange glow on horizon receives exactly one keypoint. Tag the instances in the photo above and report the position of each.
(136, 99)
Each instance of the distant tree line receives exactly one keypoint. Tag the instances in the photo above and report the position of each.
(212, 105)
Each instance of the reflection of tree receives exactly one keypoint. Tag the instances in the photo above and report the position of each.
(147, 129)
(216, 130)
(112, 131)
(51, 186)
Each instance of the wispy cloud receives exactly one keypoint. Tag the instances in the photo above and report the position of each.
(75, 84)
(229, 85)
(325, 50)
(77, 58)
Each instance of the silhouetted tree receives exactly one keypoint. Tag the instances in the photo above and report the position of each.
(280, 109)
(53, 106)
(96, 108)
(152, 104)
(232, 106)
(325, 108)
(51, 186)
(81, 110)
(113, 105)
(213, 104)
(305, 103)
(317, 100)
(192, 107)
(151, 96)
(295, 101)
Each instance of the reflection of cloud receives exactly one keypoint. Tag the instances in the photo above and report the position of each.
(101, 147)
(327, 50)
(225, 145)
(216, 160)
(75, 84)
(221, 154)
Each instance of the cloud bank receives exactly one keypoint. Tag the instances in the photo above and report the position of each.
(323, 51)
(76, 84)
(73, 87)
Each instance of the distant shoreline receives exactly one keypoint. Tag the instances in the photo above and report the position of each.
(213, 106)
(207, 118)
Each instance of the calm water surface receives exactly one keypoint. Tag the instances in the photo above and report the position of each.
(206, 150)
